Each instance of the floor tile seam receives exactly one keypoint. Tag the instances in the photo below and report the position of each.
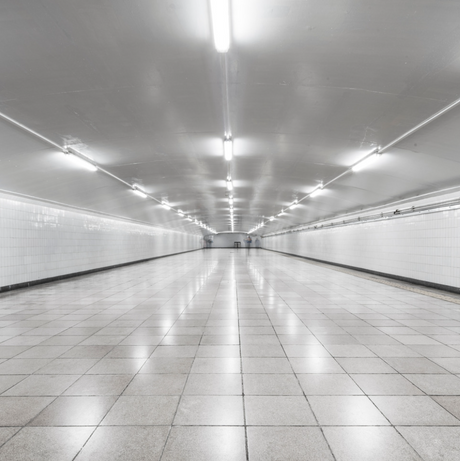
(6, 390)
(246, 438)
(7, 440)
(447, 372)
(86, 441)
(419, 453)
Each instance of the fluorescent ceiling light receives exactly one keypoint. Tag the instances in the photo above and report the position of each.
(228, 149)
(81, 161)
(365, 162)
(294, 205)
(220, 16)
(230, 201)
(271, 218)
(229, 184)
(138, 192)
(165, 206)
(317, 191)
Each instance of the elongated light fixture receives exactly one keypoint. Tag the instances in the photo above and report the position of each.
(80, 161)
(220, 16)
(229, 183)
(165, 205)
(228, 149)
(317, 191)
(139, 192)
(365, 162)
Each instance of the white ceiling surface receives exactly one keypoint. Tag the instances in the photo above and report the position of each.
(313, 86)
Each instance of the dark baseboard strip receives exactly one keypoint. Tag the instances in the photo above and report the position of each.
(424, 283)
(90, 271)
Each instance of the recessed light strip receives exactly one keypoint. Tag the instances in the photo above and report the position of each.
(220, 18)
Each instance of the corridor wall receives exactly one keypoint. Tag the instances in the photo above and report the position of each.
(420, 246)
(228, 239)
(41, 241)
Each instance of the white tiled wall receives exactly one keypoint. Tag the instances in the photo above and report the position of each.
(39, 241)
(419, 246)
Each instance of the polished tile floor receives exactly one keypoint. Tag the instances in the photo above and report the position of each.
(228, 355)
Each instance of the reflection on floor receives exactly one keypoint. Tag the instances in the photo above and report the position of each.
(228, 355)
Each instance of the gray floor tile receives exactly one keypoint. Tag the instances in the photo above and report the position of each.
(346, 411)
(328, 384)
(87, 352)
(45, 444)
(67, 367)
(414, 411)
(214, 384)
(205, 444)
(210, 410)
(367, 443)
(121, 443)
(218, 351)
(216, 365)
(300, 350)
(18, 411)
(278, 411)
(142, 411)
(8, 381)
(167, 365)
(259, 350)
(353, 350)
(99, 385)
(287, 443)
(388, 384)
(271, 384)
(42, 385)
(414, 365)
(434, 443)
(436, 384)
(116, 367)
(365, 365)
(449, 363)
(22, 366)
(6, 433)
(130, 352)
(315, 365)
(156, 384)
(75, 411)
(266, 365)
(450, 403)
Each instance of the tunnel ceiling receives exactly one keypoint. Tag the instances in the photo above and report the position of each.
(307, 88)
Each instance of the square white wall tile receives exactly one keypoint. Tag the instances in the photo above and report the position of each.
(420, 246)
(38, 241)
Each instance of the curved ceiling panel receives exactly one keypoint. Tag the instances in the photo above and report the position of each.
(307, 89)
